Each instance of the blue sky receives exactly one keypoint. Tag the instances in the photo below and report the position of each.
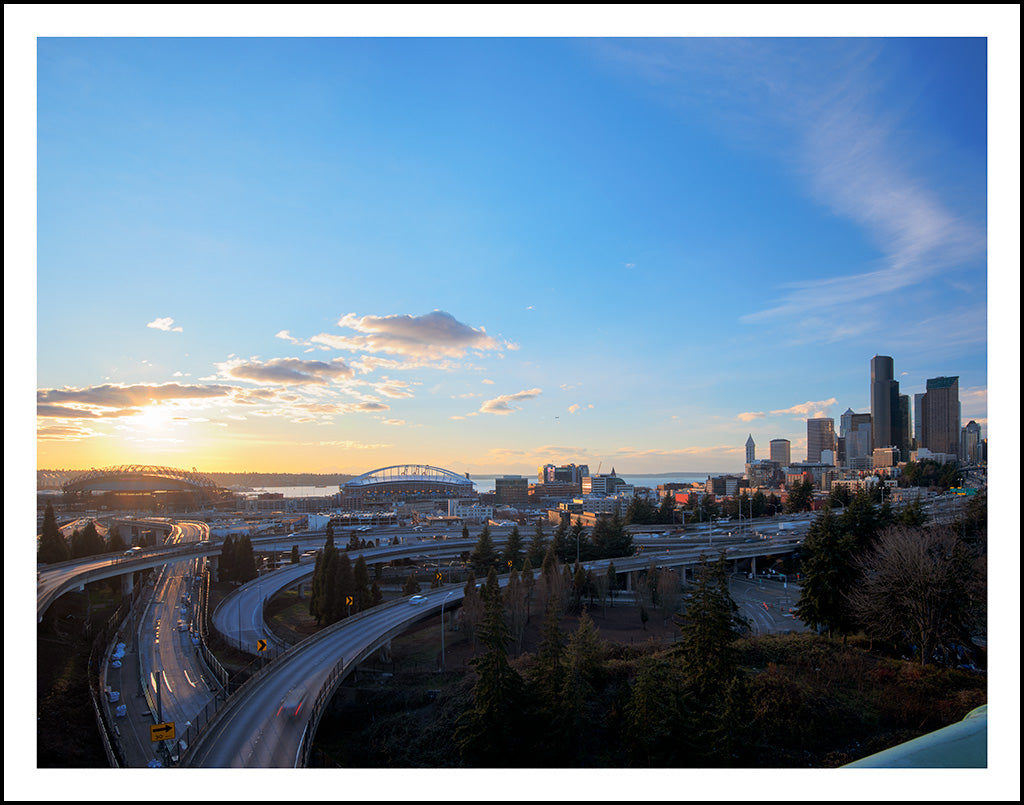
(341, 253)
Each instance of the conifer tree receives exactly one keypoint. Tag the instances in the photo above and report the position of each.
(489, 733)
(52, 546)
(512, 556)
(484, 556)
(709, 626)
(538, 545)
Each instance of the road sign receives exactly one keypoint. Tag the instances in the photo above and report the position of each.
(349, 600)
(261, 645)
(162, 732)
(437, 576)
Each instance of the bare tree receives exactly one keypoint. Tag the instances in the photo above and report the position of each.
(924, 586)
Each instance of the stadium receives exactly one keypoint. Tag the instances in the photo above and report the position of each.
(417, 485)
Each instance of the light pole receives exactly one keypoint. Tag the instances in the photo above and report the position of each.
(442, 626)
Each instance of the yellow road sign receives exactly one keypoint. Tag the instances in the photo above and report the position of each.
(261, 645)
(162, 732)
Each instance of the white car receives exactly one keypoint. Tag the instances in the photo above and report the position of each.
(417, 599)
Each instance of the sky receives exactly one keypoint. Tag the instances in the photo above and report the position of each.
(487, 254)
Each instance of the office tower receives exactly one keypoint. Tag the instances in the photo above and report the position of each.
(901, 434)
(918, 438)
(821, 435)
(779, 451)
(750, 449)
(940, 414)
(885, 404)
(970, 440)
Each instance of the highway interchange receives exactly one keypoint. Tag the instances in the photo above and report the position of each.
(269, 721)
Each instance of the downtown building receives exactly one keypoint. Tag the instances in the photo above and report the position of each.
(821, 440)
(940, 415)
(890, 411)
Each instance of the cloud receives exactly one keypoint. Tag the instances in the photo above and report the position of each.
(285, 335)
(428, 336)
(393, 421)
(573, 408)
(503, 405)
(487, 382)
(115, 396)
(166, 324)
(749, 416)
(63, 412)
(809, 409)
(287, 371)
(65, 433)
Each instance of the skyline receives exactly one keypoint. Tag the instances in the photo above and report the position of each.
(302, 308)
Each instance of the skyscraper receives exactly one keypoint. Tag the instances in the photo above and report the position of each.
(940, 415)
(750, 449)
(821, 435)
(885, 404)
(779, 451)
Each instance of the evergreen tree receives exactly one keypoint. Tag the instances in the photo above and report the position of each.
(654, 714)
(484, 557)
(667, 510)
(52, 546)
(295, 555)
(86, 542)
(548, 672)
(245, 560)
(362, 585)
(538, 545)
(226, 565)
(560, 539)
(465, 531)
(709, 626)
(115, 542)
(613, 582)
(827, 574)
(800, 496)
(343, 593)
(512, 556)
(411, 585)
(489, 733)
(579, 706)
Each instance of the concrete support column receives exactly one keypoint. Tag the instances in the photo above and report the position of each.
(127, 583)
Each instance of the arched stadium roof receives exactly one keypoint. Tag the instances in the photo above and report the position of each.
(407, 474)
(138, 477)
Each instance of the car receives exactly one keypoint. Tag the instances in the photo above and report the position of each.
(417, 599)
(291, 705)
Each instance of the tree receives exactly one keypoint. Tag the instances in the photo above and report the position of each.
(87, 542)
(361, 579)
(709, 626)
(411, 585)
(828, 574)
(295, 555)
(512, 556)
(799, 498)
(52, 546)
(654, 712)
(484, 557)
(538, 545)
(245, 560)
(115, 542)
(667, 509)
(922, 586)
(489, 734)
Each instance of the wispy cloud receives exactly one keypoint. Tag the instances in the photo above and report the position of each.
(115, 396)
(750, 416)
(809, 409)
(166, 324)
(503, 405)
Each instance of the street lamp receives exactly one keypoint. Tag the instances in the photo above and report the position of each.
(450, 592)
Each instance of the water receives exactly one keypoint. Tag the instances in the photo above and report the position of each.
(487, 484)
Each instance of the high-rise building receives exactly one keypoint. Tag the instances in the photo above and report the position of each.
(855, 430)
(750, 449)
(885, 403)
(821, 436)
(970, 441)
(940, 415)
(901, 434)
(779, 451)
(918, 437)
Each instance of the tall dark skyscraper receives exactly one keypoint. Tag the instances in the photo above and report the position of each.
(940, 415)
(885, 403)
